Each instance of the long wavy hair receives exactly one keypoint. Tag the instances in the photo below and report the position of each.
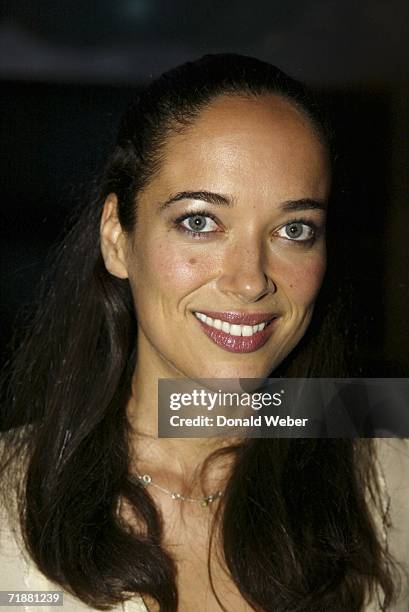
(313, 545)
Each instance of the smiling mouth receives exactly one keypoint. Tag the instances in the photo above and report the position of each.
(233, 329)
(235, 337)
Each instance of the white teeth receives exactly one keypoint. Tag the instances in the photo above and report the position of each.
(231, 328)
(235, 330)
(226, 327)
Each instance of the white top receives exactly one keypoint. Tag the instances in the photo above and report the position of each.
(18, 572)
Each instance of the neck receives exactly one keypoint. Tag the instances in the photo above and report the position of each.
(170, 461)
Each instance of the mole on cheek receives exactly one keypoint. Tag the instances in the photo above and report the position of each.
(192, 261)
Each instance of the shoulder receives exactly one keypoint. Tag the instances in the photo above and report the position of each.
(393, 458)
(18, 572)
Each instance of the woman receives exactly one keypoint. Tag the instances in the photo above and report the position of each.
(210, 212)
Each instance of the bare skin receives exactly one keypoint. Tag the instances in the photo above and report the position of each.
(259, 155)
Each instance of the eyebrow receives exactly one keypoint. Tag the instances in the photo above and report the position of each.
(303, 204)
(204, 196)
(223, 200)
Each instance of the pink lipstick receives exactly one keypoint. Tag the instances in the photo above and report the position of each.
(240, 318)
(239, 344)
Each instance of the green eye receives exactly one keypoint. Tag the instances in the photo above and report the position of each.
(198, 224)
(297, 230)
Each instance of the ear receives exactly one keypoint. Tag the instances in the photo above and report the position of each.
(113, 239)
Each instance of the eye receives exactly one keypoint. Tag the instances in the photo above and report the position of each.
(297, 230)
(197, 224)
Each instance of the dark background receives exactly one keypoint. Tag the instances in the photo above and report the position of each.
(68, 69)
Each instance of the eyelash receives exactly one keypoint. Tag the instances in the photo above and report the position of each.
(204, 235)
(307, 222)
(185, 230)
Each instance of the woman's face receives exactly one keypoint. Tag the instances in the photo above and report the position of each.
(228, 254)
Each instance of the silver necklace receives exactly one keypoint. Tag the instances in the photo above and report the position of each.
(146, 480)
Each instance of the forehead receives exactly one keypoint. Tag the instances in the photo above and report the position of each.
(239, 142)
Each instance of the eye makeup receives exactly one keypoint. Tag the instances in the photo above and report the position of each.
(177, 223)
(316, 229)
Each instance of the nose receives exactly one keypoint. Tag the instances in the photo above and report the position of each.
(245, 274)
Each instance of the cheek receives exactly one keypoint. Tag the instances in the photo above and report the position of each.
(303, 282)
(176, 268)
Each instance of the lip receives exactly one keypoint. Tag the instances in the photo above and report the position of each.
(239, 344)
(240, 318)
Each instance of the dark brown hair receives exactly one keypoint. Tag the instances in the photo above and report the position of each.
(295, 528)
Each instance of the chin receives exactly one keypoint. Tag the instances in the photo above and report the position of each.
(233, 371)
(230, 378)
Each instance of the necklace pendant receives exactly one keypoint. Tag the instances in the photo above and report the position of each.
(204, 503)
